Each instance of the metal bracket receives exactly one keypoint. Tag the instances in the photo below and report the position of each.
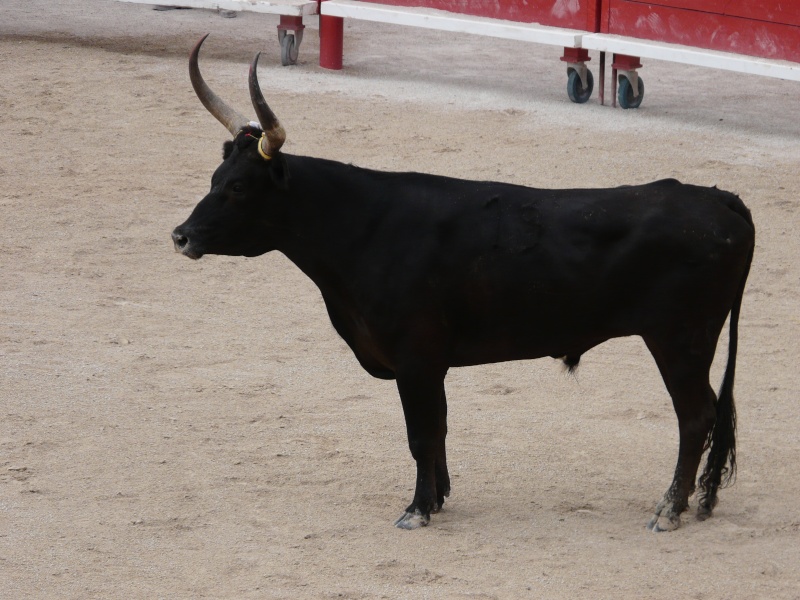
(580, 68)
(297, 33)
(633, 77)
(293, 24)
(625, 66)
(576, 59)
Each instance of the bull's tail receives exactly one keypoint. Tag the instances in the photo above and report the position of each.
(720, 469)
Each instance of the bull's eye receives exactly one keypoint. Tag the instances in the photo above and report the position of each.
(237, 188)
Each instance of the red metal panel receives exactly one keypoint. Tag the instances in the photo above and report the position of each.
(605, 16)
(786, 12)
(660, 20)
(572, 14)
(712, 6)
(593, 17)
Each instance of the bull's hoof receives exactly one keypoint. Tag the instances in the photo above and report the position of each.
(413, 520)
(667, 516)
(704, 512)
(661, 523)
(705, 505)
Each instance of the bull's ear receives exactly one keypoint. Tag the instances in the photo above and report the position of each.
(227, 148)
(279, 171)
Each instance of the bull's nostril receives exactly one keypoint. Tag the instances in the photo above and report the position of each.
(180, 240)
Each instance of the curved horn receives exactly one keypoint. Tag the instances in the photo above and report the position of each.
(233, 121)
(269, 122)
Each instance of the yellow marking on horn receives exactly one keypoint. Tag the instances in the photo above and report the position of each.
(263, 154)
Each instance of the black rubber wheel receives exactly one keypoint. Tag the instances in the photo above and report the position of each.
(289, 50)
(625, 93)
(575, 90)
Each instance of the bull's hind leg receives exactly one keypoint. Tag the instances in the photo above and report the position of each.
(442, 474)
(685, 370)
(425, 409)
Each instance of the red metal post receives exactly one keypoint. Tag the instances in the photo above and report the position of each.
(602, 75)
(331, 42)
(613, 86)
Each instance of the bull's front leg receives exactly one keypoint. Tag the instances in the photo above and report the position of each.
(425, 408)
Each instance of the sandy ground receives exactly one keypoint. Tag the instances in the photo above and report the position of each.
(177, 429)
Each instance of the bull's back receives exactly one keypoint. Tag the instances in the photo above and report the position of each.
(551, 272)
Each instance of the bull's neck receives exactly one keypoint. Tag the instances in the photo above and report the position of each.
(331, 212)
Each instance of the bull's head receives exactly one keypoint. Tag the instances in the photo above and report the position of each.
(231, 217)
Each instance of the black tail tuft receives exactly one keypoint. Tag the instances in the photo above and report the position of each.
(720, 469)
(571, 362)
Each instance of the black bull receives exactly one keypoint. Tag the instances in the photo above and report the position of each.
(420, 273)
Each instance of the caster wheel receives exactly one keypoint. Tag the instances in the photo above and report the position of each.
(625, 93)
(289, 49)
(575, 90)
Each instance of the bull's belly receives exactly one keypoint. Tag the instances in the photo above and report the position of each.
(523, 347)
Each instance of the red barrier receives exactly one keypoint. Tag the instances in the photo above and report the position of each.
(765, 28)
(762, 28)
(571, 14)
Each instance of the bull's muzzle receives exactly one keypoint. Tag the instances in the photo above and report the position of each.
(180, 240)
(182, 244)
